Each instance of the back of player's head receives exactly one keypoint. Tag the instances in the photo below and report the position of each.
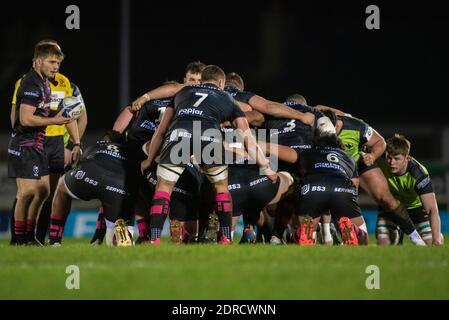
(47, 41)
(328, 140)
(113, 136)
(195, 67)
(234, 80)
(331, 115)
(212, 73)
(297, 98)
(47, 50)
(169, 82)
(398, 145)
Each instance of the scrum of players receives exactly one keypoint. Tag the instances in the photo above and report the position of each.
(204, 153)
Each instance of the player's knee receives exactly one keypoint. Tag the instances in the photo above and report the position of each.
(382, 232)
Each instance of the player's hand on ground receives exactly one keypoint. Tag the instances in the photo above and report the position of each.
(439, 241)
(368, 159)
(60, 119)
(145, 165)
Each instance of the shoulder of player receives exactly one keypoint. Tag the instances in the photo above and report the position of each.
(351, 123)
(416, 169)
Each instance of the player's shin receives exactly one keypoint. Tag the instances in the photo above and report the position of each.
(223, 209)
(159, 211)
(57, 223)
(401, 217)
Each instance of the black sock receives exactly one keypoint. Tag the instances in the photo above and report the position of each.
(43, 222)
(57, 223)
(401, 218)
(159, 211)
(224, 212)
(13, 234)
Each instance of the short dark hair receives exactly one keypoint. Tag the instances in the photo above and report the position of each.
(297, 98)
(195, 67)
(113, 136)
(398, 145)
(47, 49)
(331, 115)
(234, 80)
(212, 73)
(330, 140)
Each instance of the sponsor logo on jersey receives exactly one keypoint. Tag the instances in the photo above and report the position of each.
(36, 171)
(318, 188)
(31, 94)
(305, 189)
(14, 152)
(79, 175)
(346, 190)
(149, 125)
(256, 182)
(190, 111)
(423, 183)
(116, 190)
(327, 165)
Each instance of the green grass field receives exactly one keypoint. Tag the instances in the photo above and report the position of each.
(215, 272)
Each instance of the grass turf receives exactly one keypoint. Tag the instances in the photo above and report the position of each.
(217, 272)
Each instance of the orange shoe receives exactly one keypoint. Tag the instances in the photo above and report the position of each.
(348, 233)
(223, 240)
(156, 242)
(306, 232)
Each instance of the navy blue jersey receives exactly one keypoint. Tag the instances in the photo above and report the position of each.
(290, 132)
(146, 121)
(36, 92)
(111, 155)
(329, 161)
(242, 96)
(206, 103)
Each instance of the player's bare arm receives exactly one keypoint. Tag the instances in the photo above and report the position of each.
(157, 139)
(279, 110)
(28, 119)
(123, 120)
(377, 145)
(430, 205)
(164, 91)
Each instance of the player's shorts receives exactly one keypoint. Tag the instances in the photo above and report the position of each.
(54, 149)
(116, 189)
(417, 215)
(362, 167)
(250, 191)
(180, 144)
(26, 162)
(320, 193)
(184, 200)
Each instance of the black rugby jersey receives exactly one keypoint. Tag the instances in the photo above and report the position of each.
(34, 91)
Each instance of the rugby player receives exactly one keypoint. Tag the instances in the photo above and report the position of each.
(329, 182)
(365, 145)
(106, 172)
(210, 106)
(140, 127)
(28, 163)
(410, 183)
(54, 142)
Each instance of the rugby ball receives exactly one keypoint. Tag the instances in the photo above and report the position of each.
(72, 107)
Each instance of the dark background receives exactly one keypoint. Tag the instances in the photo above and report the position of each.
(397, 75)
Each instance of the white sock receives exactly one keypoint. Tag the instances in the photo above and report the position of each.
(327, 232)
(416, 238)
